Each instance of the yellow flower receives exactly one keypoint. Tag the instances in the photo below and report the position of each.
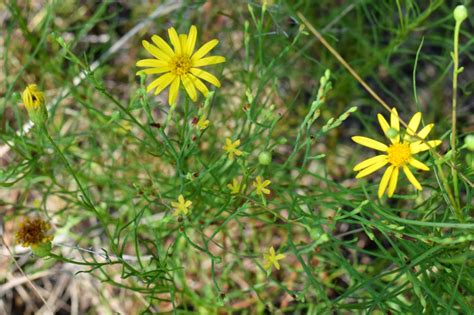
(33, 99)
(399, 154)
(235, 187)
(260, 185)
(272, 260)
(202, 123)
(180, 64)
(34, 232)
(181, 206)
(231, 148)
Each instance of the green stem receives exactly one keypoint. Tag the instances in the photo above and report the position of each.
(453, 121)
(69, 168)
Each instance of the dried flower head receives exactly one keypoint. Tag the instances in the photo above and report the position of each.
(34, 232)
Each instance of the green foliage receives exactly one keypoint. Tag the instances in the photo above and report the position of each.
(112, 158)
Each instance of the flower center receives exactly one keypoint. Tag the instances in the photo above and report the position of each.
(180, 65)
(399, 154)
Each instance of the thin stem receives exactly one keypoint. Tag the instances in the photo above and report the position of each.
(456, 71)
(69, 168)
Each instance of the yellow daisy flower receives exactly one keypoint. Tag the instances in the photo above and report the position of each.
(181, 206)
(399, 154)
(33, 98)
(180, 64)
(202, 123)
(260, 185)
(271, 259)
(231, 148)
(235, 186)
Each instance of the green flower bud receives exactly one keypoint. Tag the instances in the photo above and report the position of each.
(460, 13)
(469, 142)
(282, 140)
(265, 158)
(392, 133)
(470, 160)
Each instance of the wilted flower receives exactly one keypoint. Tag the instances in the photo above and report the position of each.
(35, 233)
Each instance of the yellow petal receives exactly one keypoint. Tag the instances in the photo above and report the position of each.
(272, 250)
(191, 42)
(154, 70)
(373, 144)
(155, 51)
(395, 124)
(174, 91)
(201, 52)
(161, 44)
(369, 162)
(384, 182)
(372, 168)
(206, 76)
(155, 63)
(199, 85)
(209, 61)
(383, 123)
(394, 120)
(174, 38)
(164, 84)
(189, 87)
(419, 165)
(392, 185)
(277, 265)
(412, 178)
(164, 79)
(183, 38)
(425, 131)
(413, 124)
(279, 256)
(419, 146)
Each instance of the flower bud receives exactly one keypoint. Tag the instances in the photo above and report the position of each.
(265, 158)
(392, 133)
(33, 99)
(469, 142)
(460, 13)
